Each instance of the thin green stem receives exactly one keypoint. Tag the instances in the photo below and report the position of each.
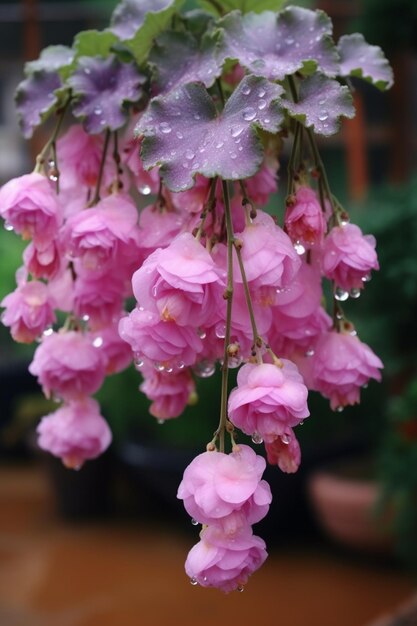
(293, 158)
(41, 158)
(116, 158)
(208, 206)
(257, 341)
(96, 197)
(229, 298)
(216, 5)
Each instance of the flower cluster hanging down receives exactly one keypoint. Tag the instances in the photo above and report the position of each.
(192, 110)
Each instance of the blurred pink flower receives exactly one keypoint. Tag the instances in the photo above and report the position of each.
(28, 311)
(342, 364)
(68, 365)
(76, 432)
(349, 256)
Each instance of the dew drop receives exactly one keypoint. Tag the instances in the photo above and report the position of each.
(355, 293)
(236, 130)
(220, 144)
(234, 361)
(261, 104)
(8, 226)
(87, 71)
(289, 41)
(339, 315)
(366, 279)
(204, 369)
(139, 363)
(197, 116)
(179, 134)
(98, 342)
(256, 438)
(341, 294)
(220, 331)
(48, 331)
(194, 522)
(160, 422)
(98, 110)
(286, 438)
(246, 90)
(266, 120)
(53, 176)
(189, 154)
(240, 588)
(299, 248)
(85, 318)
(261, 93)
(165, 128)
(309, 352)
(201, 333)
(339, 409)
(249, 114)
(160, 367)
(194, 581)
(145, 190)
(323, 116)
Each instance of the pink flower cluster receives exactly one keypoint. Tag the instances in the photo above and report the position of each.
(225, 493)
(90, 250)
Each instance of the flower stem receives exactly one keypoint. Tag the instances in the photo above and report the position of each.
(208, 206)
(293, 158)
(116, 158)
(96, 197)
(257, 341)
(41, 158)
(229, 298)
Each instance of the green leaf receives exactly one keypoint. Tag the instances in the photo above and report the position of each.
(221, 7)
(153, 25)
(94, 43)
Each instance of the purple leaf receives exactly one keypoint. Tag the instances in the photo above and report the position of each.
(185, 135)
(275, 45)
(102, 87)
(36, 98)
(129, 15)
(179, 59)
(51, 59)
(359, 58)
(321, 103)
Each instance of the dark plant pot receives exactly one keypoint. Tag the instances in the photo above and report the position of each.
(83, 494)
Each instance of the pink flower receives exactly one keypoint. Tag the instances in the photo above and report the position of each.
(304, 219)
(180, 283)
(223, 562)
(79, 156)
(268, 254)
(116, 353)
(158, 227)
(28, 311)
(46, 261)
(226, 490)
(342, 364)
(99, 298)
(262, 185)
(169, 392)
(30, 205)
(145, 182)
(76, 432)
(349, 256)
(68, 365)
(164, 343)
(268, 400)
(105, 233)
(284, 452)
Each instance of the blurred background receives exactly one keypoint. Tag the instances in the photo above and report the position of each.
(106, 545)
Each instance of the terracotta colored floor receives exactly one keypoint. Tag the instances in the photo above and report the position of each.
(120, 573)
